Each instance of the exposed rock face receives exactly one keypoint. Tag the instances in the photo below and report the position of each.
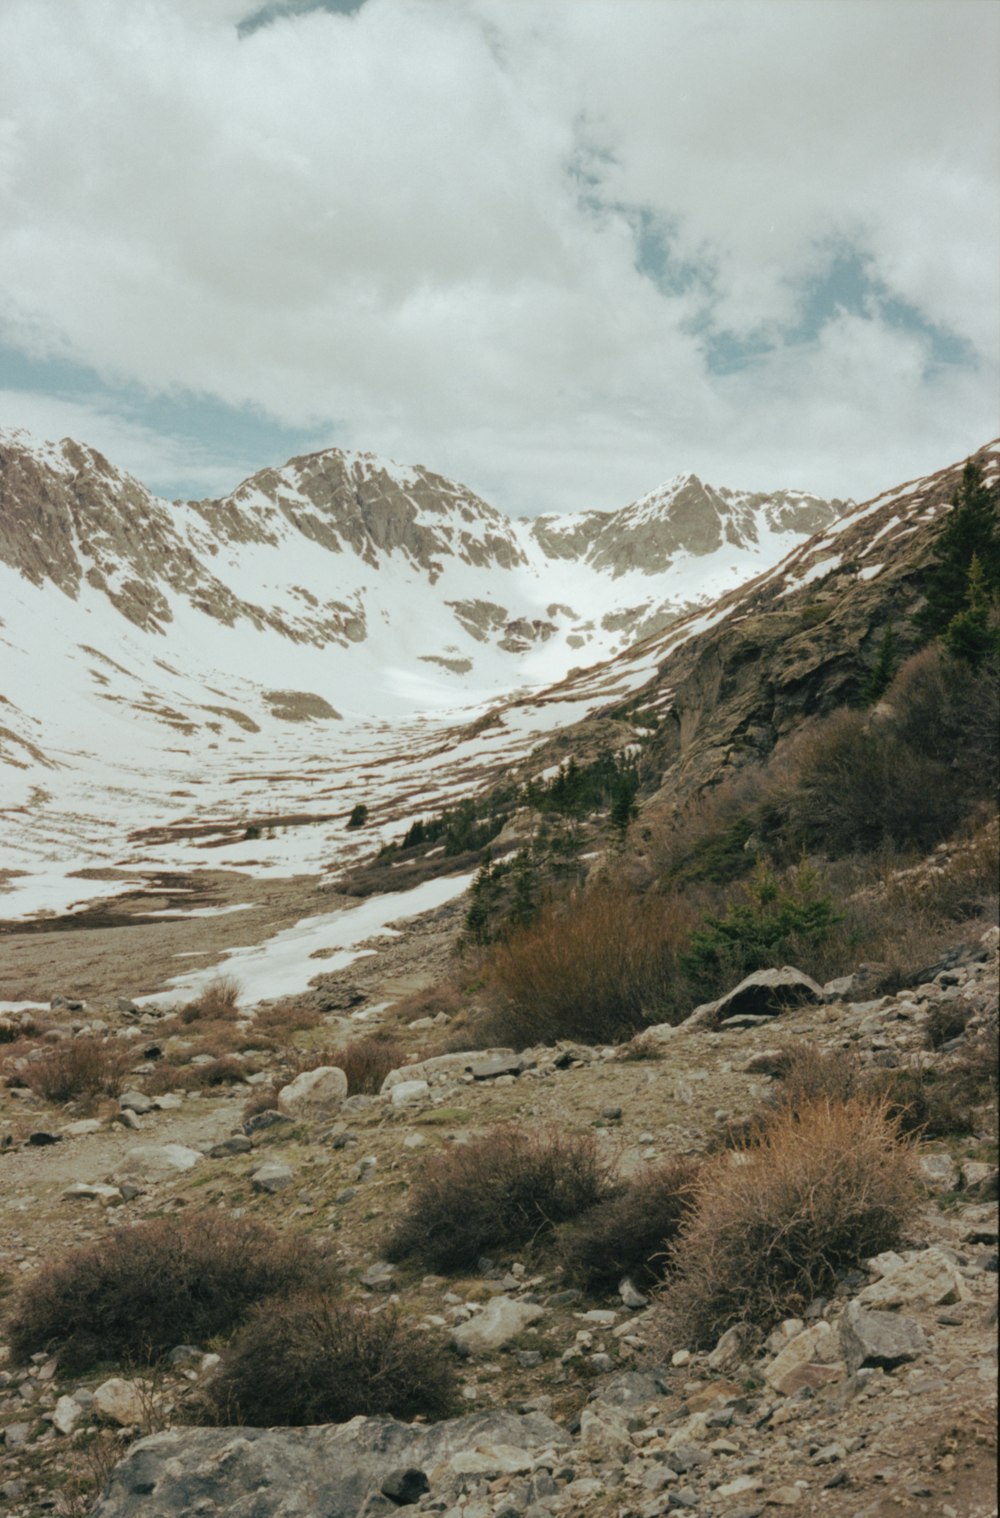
(328, 1469)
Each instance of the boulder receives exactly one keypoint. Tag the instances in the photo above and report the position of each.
(884, 1339)
(766, 993)
(253, 1470)
(315, 1093)
(405, 1092)
(501, 1320)
(811, 1358)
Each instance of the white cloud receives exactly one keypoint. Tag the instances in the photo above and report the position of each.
(370, 224)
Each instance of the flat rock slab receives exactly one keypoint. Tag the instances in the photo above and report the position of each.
(154, 1162)
(299, 1472)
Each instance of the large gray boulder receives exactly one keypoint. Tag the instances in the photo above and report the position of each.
(329, 1469)
(765, 993)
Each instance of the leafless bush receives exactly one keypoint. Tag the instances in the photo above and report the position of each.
(367, 1061)
(80, 1067)
(597, 967)
(823, 1188)
(634, 1232)
(502, 1190)
(312, 1359)
(139, 1291)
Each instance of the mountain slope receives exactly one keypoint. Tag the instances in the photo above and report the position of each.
(179, 676)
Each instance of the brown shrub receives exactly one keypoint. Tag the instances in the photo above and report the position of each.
(502, 1190)
(81, 1067)
(633, 1233)
(809, 1074)
(220, 999)
(139, 1291)
(284, 1017)
(596, 967)
(315, 1360)
(822, 1189)
(935, 1101)
(367, 1061)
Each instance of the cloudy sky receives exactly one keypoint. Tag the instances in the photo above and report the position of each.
(558, 249)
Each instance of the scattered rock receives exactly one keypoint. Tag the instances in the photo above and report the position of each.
(155, 1162)
(499, 1321)
(406, 1092)
(879, 1338)
(930, 1278)
(315, 1093)
(119, 1401)
(272, 1177)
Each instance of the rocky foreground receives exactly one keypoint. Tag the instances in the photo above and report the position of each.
(878, 1400)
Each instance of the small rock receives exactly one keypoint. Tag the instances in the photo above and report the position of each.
(40, 1139)
(155, 1162)
(939, 1172)
(379, 1276)
(631, 1296)
(272, 1177)
(238, 1144)
(501, 1320)
(930, 1278)
(135, 1101)
(86, 1191)
(407, 1092)
(784, 1496)
(67, 1415)
(119, 1401)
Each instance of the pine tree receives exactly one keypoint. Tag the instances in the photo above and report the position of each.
(974, 633)
(881, 673)
(969, 532)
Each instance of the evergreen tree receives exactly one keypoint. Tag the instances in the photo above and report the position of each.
(881, 673)
(969, 532)
(974, 633)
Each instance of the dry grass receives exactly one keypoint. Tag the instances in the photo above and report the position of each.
(501, 1191)
(285, 1017)
(820, 1190)
(220, 999)
(141, 1290)
(367, 1061)
(78, 1068)
(316, 1360)
(596, 967)
(634, 1232)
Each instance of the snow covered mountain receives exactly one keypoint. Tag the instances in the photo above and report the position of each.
(397, 565)
(327, 628)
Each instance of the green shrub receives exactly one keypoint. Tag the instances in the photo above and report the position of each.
(500, 1191)
(312, 1359)
(633, 1233)
(819, 1191)
(773, 923)
(139, 1291)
